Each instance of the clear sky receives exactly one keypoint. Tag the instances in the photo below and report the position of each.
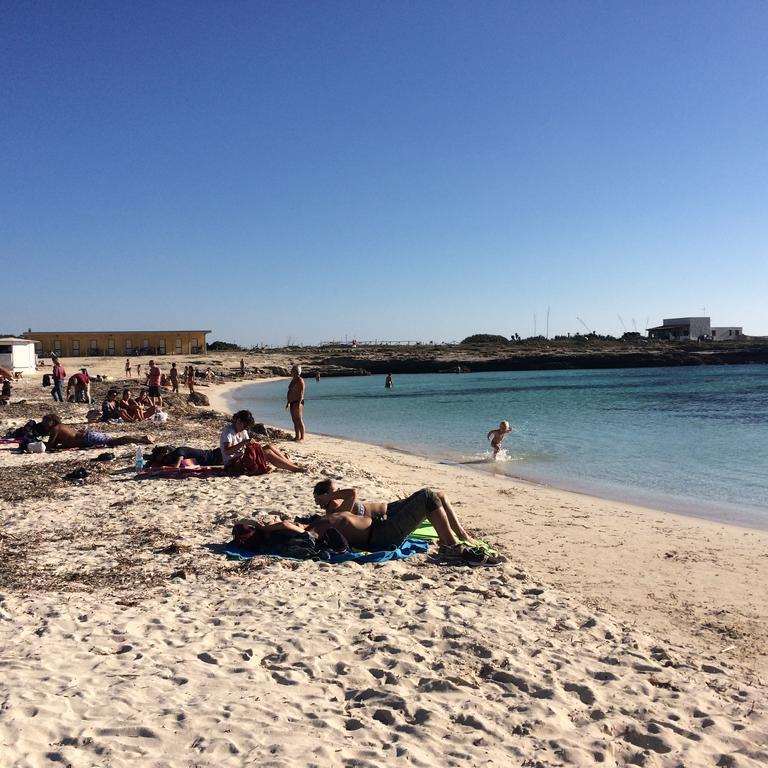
(308, 171)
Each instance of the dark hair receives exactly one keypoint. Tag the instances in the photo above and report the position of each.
(126, 389)
(324, 486)
(51, 420)
(159, 452)
(245, 416)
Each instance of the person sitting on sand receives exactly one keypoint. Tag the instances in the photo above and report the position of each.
(331, 500)
(235, 440)
(110, 408)
(143, 400)
(61, 436)
(497, 435)
(168, 456)
(295, 402)
(387, 530)
(132, 410)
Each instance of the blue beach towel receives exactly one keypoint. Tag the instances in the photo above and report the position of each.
(406, 549)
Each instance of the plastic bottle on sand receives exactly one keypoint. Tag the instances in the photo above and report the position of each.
(139, 458)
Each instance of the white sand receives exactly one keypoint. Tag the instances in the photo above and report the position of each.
(613, 635)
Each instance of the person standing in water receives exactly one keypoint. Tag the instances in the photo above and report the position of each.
(295, 402)
(496, 436)
(388, 384)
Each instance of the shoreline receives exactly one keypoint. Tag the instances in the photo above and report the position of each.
(643, 551)
(685, 508)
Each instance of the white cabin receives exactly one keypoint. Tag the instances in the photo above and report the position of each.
(18, 355)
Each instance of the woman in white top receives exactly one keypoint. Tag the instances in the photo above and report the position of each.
(235, 440)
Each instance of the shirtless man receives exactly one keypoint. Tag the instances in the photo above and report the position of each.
(386, 526)
(61, 436)
(295, 402)
(153, 384)
(127, 368)
(174, 376)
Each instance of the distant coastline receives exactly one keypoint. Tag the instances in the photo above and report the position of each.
(348, 360)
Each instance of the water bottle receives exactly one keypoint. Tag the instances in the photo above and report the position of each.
(139, 459)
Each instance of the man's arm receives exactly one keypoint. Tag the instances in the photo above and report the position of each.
(285, 525)
(235, 448)
(347, 496)
(53, 438)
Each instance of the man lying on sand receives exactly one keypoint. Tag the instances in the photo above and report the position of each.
(61, 436)
(380, 525)
(331, 499)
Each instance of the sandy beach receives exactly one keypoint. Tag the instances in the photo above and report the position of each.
(612, 635)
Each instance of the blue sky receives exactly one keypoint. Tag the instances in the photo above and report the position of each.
(308, 171)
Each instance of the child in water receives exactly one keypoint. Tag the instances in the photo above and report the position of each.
(497, 435)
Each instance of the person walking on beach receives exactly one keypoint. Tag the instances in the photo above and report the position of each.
(59, 376)
(295, 402)
(496, 436)
(127, 368)
(153, 384)
(190, 376)
(138, 372)
(174, 376)
(242, 367)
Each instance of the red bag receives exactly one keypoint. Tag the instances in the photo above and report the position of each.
(252, 462)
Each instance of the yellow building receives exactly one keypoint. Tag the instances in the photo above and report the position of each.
(118, 343)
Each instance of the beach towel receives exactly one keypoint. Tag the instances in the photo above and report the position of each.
(426, 531)
(182, 473)
(409, 547)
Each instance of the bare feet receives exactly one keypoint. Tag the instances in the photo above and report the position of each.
(149, 439)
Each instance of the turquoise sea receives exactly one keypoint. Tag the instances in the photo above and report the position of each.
(684, 439)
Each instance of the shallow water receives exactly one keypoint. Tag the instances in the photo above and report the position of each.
(685, 439)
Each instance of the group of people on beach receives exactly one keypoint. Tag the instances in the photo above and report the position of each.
(154, 378)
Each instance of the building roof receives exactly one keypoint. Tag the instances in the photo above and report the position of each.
(667, 326)
(15, 339)
(62, 333)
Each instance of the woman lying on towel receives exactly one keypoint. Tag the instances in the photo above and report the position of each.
(184, 456)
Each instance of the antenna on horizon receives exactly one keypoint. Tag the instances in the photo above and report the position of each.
(547, 336)
(534, 325)
(622, 324)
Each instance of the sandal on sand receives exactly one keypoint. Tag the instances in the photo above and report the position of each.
(464, 555)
